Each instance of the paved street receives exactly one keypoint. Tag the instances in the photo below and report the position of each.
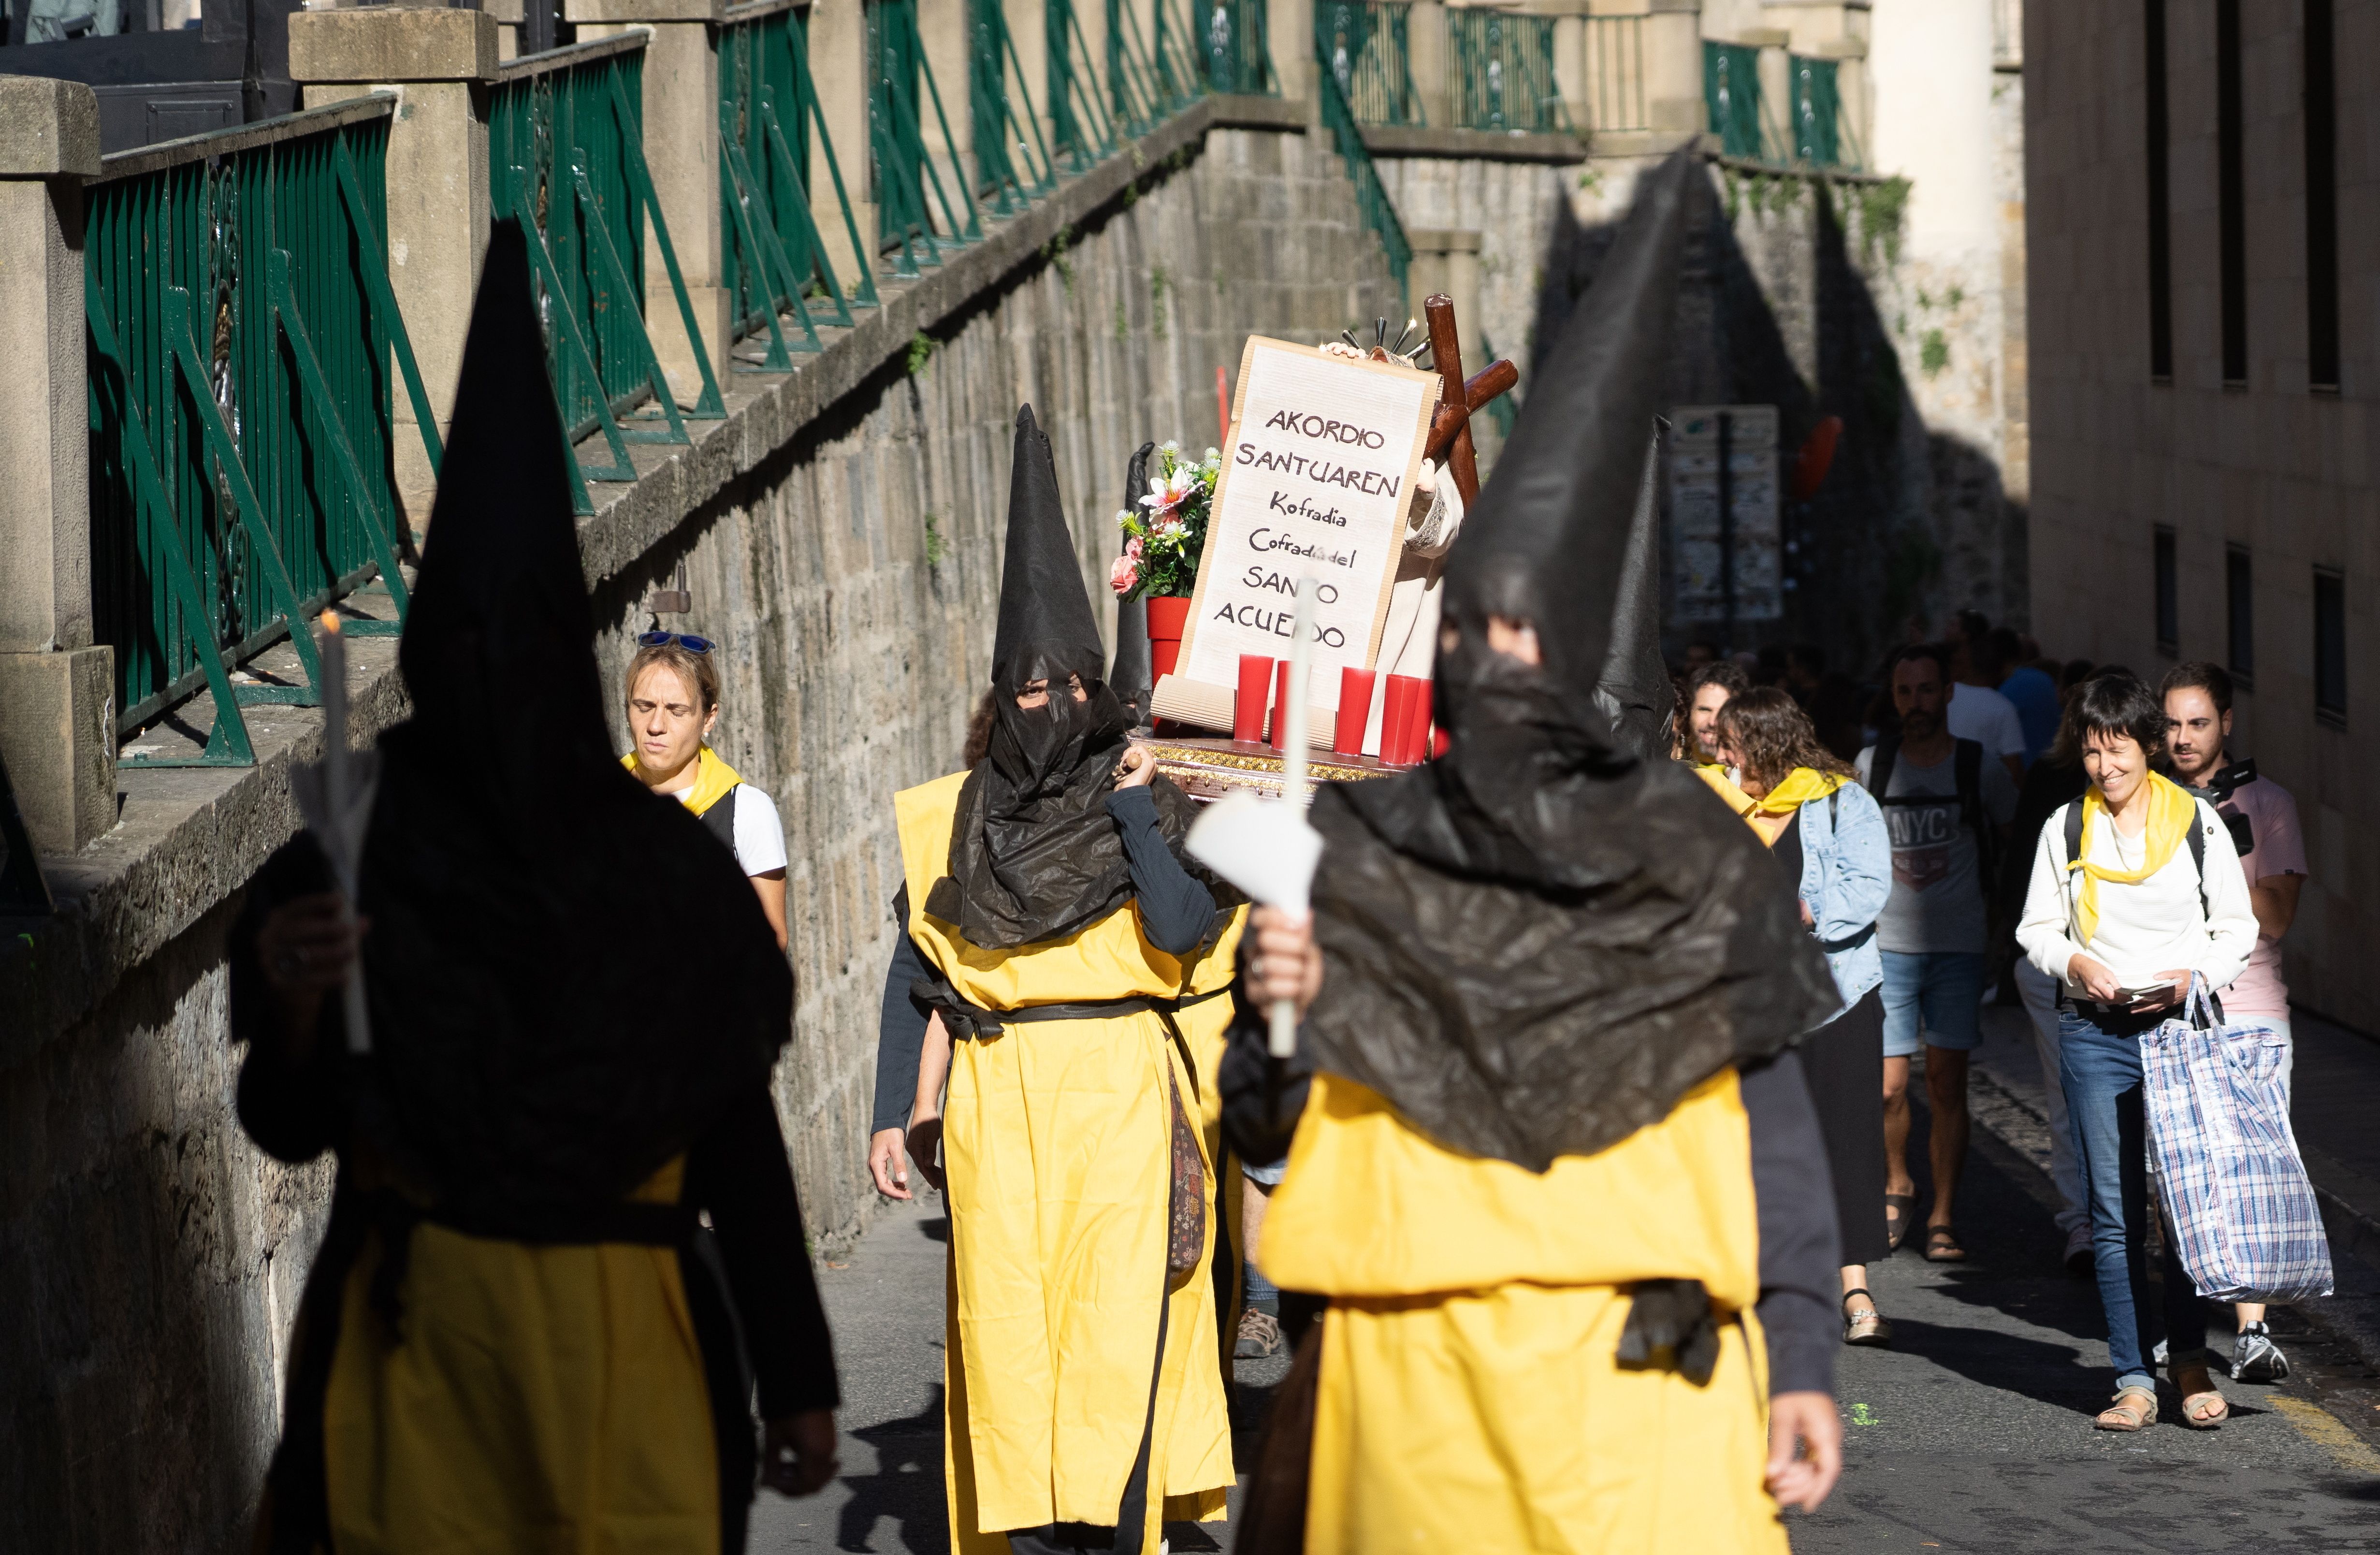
(1972, 1433)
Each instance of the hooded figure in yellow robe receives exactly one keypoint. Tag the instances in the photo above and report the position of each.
(564, 1227)
(1542, 1074)
(1074, 970)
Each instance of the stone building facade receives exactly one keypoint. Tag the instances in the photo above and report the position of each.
(2201, 487)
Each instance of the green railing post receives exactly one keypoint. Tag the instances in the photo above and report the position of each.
(227, 742)
(1503, 71)
(1731, 94)
(1371, 198)
(1361, 43)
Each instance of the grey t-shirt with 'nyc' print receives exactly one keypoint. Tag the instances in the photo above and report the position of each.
(1937, 897)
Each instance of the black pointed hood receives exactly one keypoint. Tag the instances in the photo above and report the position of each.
(1134, 673)
(1537, 943)
(1034, 855)
(1045, 612)
(512, 868)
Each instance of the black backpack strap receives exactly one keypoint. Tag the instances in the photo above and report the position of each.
(2198, 857)
(1879, 766)
(1967, 774)
(2073, 832)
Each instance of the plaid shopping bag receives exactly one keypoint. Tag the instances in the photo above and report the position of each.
(2234, 1191)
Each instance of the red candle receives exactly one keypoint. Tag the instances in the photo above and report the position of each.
(1248, 708)
(1280, 731)
(1396, 717)
(1355, 710)
(1417, 741)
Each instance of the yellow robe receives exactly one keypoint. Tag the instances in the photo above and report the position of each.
(545, 1401)
(1470, 1396)
(1056, 1149)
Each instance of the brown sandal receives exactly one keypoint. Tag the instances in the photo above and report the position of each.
(1900, 1214)
(1942, 1245)
(2135, 1409)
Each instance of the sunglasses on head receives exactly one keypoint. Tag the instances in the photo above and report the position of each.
(675, 640)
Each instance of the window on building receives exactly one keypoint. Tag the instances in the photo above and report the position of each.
(2160, 206)
(2329, 646)
(2240, 609)
(2230, 191)
(2322, 199)
(2168, 594)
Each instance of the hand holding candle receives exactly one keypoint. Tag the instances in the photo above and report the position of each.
(1268, 848)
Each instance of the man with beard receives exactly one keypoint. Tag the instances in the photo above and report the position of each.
(1072, 968)
(516, 1334)
(1545, 985)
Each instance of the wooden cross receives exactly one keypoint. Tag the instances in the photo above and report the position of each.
(1450, 426)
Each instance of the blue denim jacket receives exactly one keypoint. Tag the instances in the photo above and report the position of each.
(1846, 877)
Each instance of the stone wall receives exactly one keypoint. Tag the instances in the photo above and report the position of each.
(151, 1257)
(855, 578)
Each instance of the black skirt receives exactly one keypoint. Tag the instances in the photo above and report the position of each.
(1844, 1062)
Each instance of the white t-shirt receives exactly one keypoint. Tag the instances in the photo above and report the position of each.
(2148, 927)
(1983, 715)
(759, 837)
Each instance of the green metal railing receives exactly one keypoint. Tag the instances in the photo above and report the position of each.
(244, 349)
(909, 190)
(1228, 37)
(1503, 412)
(772, 136)
(1141, 91)
(1820, 136)
(1012, 159)
(1371, 198)
(1815, 136)
(1615, 74)
(1500, 71)
(565, 158)
(1361, 43)
(1731, 96)
(1082, 130)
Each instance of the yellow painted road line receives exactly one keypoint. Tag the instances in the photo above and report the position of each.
(2318, 1425)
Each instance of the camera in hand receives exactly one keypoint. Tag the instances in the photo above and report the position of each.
(2219, 788)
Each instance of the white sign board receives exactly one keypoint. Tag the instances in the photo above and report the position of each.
(1320, 465)
(1704, 542)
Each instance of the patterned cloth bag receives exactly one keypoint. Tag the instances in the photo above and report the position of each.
(2234, 1191)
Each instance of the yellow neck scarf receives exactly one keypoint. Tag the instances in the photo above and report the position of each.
(2172, 811)
(712, 778)
(1801, 786)
(1722, 785)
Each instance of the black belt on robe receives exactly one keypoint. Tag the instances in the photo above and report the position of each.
(967, 1021)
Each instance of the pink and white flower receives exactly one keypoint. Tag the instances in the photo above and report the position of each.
(1125, 575)
(1172, 490)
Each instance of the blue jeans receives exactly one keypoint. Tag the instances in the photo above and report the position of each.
(2101, 1071)
(1932, 994)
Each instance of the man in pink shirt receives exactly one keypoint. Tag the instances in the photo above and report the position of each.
(2272, 850)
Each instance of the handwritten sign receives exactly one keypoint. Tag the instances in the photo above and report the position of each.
(1321, 466)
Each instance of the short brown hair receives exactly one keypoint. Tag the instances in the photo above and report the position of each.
(1770, 732)
(2212, 679)
(692, 669)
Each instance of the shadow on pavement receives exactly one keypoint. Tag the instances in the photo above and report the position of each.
(907, 1486)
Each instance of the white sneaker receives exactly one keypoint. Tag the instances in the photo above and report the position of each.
(2255, 1358)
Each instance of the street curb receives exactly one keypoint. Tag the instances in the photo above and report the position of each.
(2353, 1320)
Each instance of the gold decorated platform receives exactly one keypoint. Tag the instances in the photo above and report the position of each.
(1207, 769)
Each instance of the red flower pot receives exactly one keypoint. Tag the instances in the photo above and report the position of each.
(1166, 618)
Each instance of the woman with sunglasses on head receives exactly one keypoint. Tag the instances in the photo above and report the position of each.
(673, 707)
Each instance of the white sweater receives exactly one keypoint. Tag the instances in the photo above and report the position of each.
(2147, 928)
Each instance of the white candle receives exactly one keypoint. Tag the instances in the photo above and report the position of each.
(1300, 655)
(345, 846)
